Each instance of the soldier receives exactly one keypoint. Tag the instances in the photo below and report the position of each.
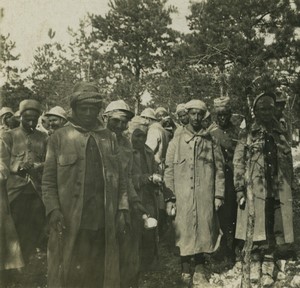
(85, 194)
(194, 172)
(263, 164)
(57, 117)
(23, 150)
(226, 134)
(182, 114)
(5, 114)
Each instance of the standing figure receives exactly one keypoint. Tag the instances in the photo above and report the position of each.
(263, 163)
(194, 172)
(85, 194)
(23, 151)
(116, 115)
(226, 134)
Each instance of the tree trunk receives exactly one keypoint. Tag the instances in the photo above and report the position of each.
(246, 253)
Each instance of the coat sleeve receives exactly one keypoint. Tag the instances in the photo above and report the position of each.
(239, 163)
(219, 171)
(123, 182)
(169, 171)
(5, 152)
(49, 181)
(132, 195)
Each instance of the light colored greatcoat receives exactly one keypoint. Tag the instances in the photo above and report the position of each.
(194, 172)
(250, 147)
(63, 188)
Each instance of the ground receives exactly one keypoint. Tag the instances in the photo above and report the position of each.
(167, 273)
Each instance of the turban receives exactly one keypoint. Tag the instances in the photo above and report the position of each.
(196, 104)
(138, 122)
(29, 104)
(57, 111)
(180, 107)
(118, 109)
(264, 99)
(5, 110)
(222, 104)
(85, 93)
(149, 113)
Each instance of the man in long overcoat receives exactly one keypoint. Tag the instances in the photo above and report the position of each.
(263, 163)
(85, 194)
(194, 172)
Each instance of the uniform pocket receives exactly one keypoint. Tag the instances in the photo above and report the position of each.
(67, 159)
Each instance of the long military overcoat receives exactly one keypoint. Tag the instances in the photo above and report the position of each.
(194, 172)
(63, 188)
(249, 169)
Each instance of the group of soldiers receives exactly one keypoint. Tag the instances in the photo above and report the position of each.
(93, 182)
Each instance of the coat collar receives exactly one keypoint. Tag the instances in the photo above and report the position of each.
(98, 127)
(189, 135)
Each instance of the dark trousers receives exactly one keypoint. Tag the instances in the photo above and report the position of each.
(28, 213)
(188, 263)
(88, 260)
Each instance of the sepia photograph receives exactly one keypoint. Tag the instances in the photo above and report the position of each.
(149, 143)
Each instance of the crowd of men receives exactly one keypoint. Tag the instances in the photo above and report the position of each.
(93, 180)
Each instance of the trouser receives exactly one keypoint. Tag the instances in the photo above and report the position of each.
(88, 260)
(28, 213)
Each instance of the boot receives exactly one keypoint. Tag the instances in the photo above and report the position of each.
(199, 279)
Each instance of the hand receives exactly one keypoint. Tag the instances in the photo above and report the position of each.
(156, 179)
(26, 166)
(239, 196)
(218, 203)
(57, 221)
(139, 208)
(171, 208)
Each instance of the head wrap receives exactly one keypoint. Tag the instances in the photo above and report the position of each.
(222, 104)
(196, 104)
(118, 109)
(180, 107)
(161, 110)
(5, 110)
(29, 104)
(85, 93)
(265, 99)
(149, 113)
(57, 111)
(138, 122)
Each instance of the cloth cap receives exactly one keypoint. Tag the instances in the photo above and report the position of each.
(180, 107)
(57, 111)
(29, 104)
(118, 108)
(267, 100)
(196, 104)
(138, 122)
(5, 110)
(149, 113)
(222, 104)
(85, 93)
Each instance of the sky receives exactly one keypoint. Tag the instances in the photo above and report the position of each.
(28, 21)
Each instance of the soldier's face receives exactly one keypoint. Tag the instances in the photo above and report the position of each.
(223, 118)
(138, 139)
(30, 119)
(86, 114)
(195, 117)
(183, 117)
(117, 125)
(55, 122)
(264, 113)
